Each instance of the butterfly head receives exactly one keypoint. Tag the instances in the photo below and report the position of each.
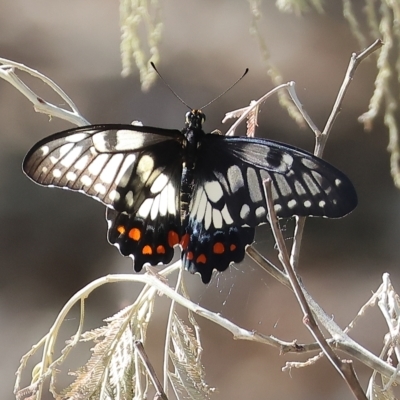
(195, 119)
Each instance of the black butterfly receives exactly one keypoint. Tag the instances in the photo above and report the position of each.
(201, 191)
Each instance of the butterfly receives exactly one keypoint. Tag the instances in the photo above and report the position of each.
(201, 191)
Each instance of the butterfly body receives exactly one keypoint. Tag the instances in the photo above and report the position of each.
(203, 192)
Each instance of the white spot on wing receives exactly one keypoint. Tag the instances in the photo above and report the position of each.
(71, 157)
(254, 185)
(144, 209)
(145, 168)
(317, 176)
(114, 195)
(155, 208)
(122, 179)
(202, 206)
(307, 204)
(260, 212)
(129, 198)
(245, 211)
(159, 183)
(76, 137)
(171, 196)
(164, 201)
(235, 178)
(292, 203)
(96, 166)
(277, 207)
(45, 150)
(322, 203)
(299, 188)
(213, 190)
(129, 140)
(314, 189)
(196, 201)
(56, 173)
(309, 163)
(288, 160)
(71, 176)
(226, 216)
(100, 188)
(208, 216)
(65, 148)
(338, 182)
(217, 219)
(110, 169)
(121, 140)
(86, 180)
(81, 163)
(283, 185)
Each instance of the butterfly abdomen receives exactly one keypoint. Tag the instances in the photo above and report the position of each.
(193, 137)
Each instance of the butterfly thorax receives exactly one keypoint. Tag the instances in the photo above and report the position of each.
(193, 133)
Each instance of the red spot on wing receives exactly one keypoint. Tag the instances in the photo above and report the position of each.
(135, 234)
(185, 241)
(173, 238)
(121, 229)
(147, 250)
(160, 249)
(232, 247)
(218, 248)
(201, 259)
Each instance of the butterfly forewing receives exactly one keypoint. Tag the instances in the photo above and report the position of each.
(109, 162)
(302, 184)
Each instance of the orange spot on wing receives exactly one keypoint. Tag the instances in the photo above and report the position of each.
(121, 229)
(189, 256)
(173, 238)
(218, 248)
(135, 234)
(185, 241)
(147, 250)
(160, 249)
(232, 247)
(201, 259)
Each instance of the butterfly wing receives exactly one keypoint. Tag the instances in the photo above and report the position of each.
(151, 232)
(134, 170)
(229, 201)
(119, 165)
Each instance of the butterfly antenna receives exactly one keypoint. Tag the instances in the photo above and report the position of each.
(169, 87)
(227, 90)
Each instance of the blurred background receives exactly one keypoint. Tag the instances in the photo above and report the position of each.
(53, 242)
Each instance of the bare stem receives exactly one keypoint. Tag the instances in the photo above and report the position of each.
(345, 369)
(150, 370)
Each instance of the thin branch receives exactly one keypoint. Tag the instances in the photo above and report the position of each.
(355, 60)
(168, 332)
(322, 137)
(150, 370)
(7, 72)
(345, 369)
(244, 112)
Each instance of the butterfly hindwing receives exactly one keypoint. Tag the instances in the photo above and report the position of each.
(214, 248)
(147, 240)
